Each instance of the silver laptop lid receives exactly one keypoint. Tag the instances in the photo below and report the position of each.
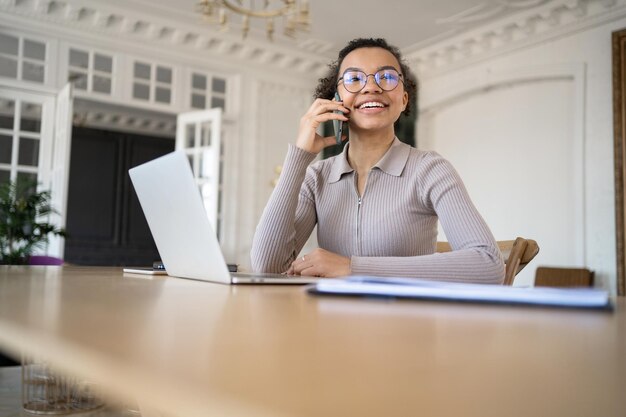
(179, 224)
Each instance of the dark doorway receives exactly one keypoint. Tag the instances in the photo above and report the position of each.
(105, 223)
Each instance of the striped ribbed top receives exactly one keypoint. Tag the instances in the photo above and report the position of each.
(390, 230)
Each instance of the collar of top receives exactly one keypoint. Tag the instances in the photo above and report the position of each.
(392, 162)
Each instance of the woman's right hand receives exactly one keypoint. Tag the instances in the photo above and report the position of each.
(320, 111)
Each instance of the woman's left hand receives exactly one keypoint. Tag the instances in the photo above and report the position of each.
(321, 263)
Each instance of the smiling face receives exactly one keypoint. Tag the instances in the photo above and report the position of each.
(372, 108)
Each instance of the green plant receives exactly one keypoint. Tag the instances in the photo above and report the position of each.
(22, 229)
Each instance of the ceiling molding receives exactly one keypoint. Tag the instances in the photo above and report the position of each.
(126, 119)
(98, 18)
(537, 24)
(487, 11)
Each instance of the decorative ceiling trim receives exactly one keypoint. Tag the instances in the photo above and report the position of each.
(191, 36)
(549, 20)
(489, 10)
(125, 119)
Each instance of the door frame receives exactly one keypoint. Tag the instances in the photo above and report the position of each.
(52, 172)
(619, 152)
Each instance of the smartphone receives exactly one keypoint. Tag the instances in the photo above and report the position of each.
(338, 124)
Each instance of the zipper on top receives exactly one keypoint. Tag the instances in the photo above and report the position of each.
(358, 215)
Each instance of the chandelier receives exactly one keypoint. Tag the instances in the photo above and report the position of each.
(293, 13)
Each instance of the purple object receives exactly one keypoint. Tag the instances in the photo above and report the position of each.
(44, 260)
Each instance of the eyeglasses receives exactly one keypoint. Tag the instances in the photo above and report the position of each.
(355, 80)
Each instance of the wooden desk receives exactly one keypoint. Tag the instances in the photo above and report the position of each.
(198, 349)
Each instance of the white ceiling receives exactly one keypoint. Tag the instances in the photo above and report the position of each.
(408, 24)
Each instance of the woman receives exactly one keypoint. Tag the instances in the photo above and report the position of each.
(376, 205)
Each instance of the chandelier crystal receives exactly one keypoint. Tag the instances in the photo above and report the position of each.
(293, 13)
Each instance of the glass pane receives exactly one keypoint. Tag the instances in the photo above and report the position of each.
(7, 113)
(221, 158)
(26, 177)
(79, 59)
(206, 189)
(199, 159)
(164, 75)
(79, 79)
(218, 102)
(101, 84)
(28, 152)
(30, 117)
(103, 63)
(142, 70)
(9, 44)
(191, 136)
(141, 91)
(6, 146)
(34, 50)
(205, 132)
(163, 95)
(198, 101)
(8, 67)
(5, 176)
(32, 72)
(207, 164)
(198, 81)
(218, 85)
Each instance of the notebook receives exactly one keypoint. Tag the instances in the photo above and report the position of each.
(187, 244)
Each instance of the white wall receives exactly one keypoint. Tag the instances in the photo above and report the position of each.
(530, 131)
(273, 108)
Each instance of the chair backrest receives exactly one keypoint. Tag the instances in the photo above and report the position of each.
(517, 254)
(563, 277)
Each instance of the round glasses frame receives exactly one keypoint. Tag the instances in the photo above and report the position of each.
(377, 78)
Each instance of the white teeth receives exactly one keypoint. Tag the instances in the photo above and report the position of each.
(371, 104)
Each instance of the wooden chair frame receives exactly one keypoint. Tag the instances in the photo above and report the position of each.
(517, 254)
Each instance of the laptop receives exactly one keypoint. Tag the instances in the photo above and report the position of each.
(187, 244)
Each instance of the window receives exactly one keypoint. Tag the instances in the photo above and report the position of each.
(20, 138)
(152, 82)
(22, 59)
(91, 71)
(207, 91)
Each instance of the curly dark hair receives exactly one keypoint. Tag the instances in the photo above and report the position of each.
(327, 85)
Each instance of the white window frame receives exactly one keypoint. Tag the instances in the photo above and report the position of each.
(91, 71)
(48, 70)
(152, 82)
(208, 92)
(54, 152)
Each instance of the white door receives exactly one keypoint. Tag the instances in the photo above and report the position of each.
(35, 145)
(60, 169)
(198, 133)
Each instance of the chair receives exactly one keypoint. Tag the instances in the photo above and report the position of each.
(563, 277)
(517, 254)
